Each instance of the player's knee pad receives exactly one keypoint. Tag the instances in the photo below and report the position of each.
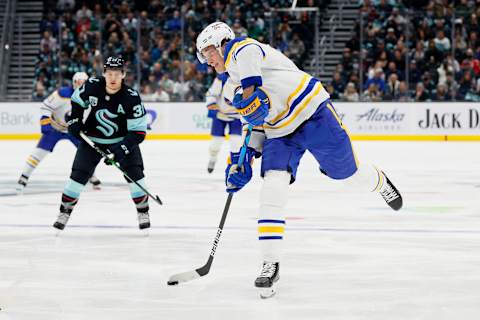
(366, 178)
(235, 142)
(274, 194)
(80, 176)
(215, 145)
(135, 172)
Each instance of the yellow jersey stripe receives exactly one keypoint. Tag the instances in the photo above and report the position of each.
(298, 110)
(235, 47)
(330, 107)
(290, 97)
(271, 229)
(45, 121)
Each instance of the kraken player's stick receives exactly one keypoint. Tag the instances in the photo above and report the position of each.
(202, 271)
(116, 164)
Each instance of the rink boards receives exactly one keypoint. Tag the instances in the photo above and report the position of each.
(459, 121)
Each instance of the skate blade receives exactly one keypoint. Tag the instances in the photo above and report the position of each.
(266, 293)
(145, 232)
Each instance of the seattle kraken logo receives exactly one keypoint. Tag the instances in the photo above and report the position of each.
(107, 127)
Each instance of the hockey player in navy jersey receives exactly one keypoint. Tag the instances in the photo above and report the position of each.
(223, 115)
(53, 122)
(291, 113)
(116, 123)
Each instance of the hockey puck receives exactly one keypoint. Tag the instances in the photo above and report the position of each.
(172, 283)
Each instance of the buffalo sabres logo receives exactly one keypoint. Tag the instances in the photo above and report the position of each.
(93, 101)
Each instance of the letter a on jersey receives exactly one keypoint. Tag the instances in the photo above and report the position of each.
(120, 109)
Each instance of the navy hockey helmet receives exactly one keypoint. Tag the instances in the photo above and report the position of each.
(112, 62)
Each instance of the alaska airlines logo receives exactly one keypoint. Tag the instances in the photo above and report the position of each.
(107, 127)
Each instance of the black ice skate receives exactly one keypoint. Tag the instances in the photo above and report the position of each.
(390, 194)
(267, 279)
(21, 183)
(211, 166)
(143, 220)
(62, 220)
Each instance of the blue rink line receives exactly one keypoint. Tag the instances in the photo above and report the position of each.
(319, 229)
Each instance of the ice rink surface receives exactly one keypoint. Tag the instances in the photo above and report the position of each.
(347, 255)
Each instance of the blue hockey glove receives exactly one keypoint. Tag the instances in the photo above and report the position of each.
(212, 110)
(253, 109)
(237, 177)
(212, 114)
(46, 125)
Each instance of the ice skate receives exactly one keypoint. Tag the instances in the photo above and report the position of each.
(211, 165)
(267, 280)
(21, 184)
(95, 182)
(62, 220)
(143, 220)
(390, 194)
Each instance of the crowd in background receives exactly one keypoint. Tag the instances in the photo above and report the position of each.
(423, 50)
(412, 51)
(77, 36)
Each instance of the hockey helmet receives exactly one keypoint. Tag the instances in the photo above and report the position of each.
(214, 34)
(113, 62)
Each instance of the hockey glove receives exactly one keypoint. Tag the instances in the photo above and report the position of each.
(212, 110)
(237, 177)
(118, 153)
(75, 127)
(253, 109)
(46, 125)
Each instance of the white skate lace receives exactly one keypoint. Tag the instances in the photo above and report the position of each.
(63, 218)
(268, 269)
(389, 194)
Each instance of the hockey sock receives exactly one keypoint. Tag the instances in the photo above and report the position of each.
(71, 193)
(139, 197)
(215, 146)
(366, 178)
(33, 161)
(271, 222)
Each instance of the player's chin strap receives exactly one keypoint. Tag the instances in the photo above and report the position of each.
(116, 164)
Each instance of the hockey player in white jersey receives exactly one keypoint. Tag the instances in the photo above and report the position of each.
(291, 113)
(55, 109)
(223, 115)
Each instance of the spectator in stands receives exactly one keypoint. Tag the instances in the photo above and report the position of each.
(296, 49)
(414, 74)
(392, 87)
(402, 95)
(337, 82)
(48, 41)
(442, 43)
(441, 94)
(377, 79)
(421, 95)
(433, 55)
(50, 23)
(372, 94)
(39, 93)
(452, 85)
(350, 94)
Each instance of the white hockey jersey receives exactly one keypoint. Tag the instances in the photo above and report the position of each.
(57, 106)
(215, 99)
(294, 95)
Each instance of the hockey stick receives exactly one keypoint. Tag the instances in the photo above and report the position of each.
(202, 271)
(116, 164)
